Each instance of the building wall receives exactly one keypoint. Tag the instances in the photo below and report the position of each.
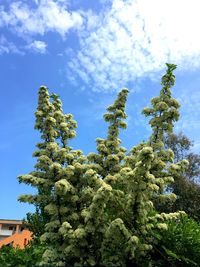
(12, 233)
(17, 240)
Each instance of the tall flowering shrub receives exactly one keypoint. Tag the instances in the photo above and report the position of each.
(100, 207)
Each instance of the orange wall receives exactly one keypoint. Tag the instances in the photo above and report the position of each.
(17, 239)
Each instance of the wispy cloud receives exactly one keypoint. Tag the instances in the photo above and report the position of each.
(7, 47)
(37, 47)
(135, 38)
(125, 41)
(44, 16)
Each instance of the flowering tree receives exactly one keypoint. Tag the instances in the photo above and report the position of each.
(100, 208)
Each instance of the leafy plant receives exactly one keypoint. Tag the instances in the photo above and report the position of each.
(179, 245)
(16, 257)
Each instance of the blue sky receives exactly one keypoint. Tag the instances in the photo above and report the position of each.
(86, 51)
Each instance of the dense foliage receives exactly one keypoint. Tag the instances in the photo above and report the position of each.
(179, 245)
(98, 209)
(16, 257)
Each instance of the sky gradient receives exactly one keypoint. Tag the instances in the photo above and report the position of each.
(86, 51)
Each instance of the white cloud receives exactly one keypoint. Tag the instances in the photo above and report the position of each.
(7, 47)
(38, 47)
(135, 38)
(48, 15)
(127, 40)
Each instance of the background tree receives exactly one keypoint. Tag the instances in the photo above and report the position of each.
(186, 183)
(181, 146)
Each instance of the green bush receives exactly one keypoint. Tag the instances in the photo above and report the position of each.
(179, 245)
(16, 257)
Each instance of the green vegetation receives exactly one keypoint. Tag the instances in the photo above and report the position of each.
(16, 257)
(113, 207)
(179, 245)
